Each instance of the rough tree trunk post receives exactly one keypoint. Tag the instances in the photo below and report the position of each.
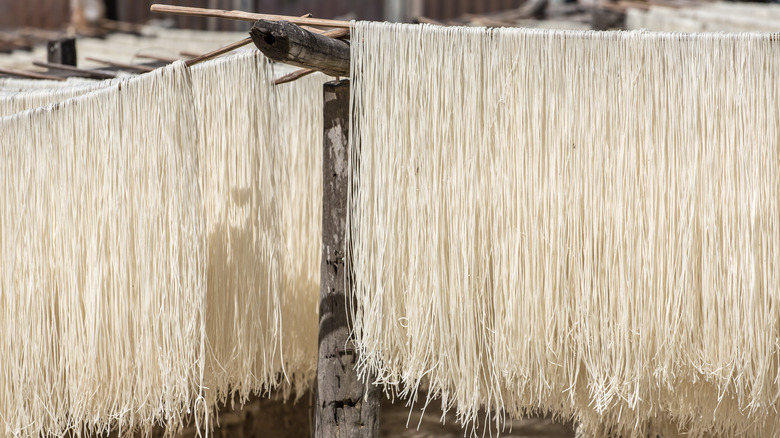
(62, 51)
(346, 407)
(285, 42)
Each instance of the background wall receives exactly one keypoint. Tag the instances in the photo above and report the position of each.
(43, 14)
(53, 14)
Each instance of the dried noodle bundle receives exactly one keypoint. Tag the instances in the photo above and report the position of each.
(103, 255)
(260, 156)
(579, 223)
(171, 228)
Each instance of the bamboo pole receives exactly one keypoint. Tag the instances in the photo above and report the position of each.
(246, 16)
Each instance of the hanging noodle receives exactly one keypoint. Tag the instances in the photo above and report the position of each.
(103, 255)
(300, 127)
(578, 223)
(15, 102)
(260, 161)
(241, 182)
(95, 277)
(261, 165)
(13, 84)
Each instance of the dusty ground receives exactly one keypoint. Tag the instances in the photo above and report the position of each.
(271, 418)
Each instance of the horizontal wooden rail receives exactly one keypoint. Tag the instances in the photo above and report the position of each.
(29, 74)
(245, 16)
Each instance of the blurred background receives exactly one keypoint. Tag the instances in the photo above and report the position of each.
(56, 14)
(84, 15)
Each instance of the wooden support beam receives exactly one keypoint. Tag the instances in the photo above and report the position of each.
(229, 48)
(61, 51)
(97, 74)
(346, 406)
(245, 16)
(285, 42)
(29, 74)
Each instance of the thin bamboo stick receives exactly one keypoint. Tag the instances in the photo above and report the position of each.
(29, 74)
(157, 57)
(297, 74)
(220, 51)
(246, 16)
(92, 73)
(122, 65)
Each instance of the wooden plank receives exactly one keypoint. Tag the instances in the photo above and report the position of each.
(346, 406)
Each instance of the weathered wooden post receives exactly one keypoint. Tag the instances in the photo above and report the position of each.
(346, 406)
(285, 42)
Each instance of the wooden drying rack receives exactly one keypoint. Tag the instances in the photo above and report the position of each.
(282, 38)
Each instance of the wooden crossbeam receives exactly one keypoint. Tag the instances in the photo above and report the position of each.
(246, 16)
